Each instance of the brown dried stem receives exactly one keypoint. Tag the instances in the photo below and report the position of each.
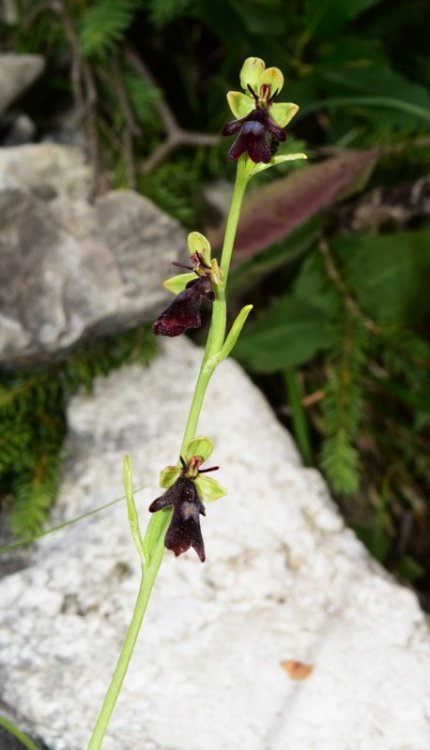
(175, 135)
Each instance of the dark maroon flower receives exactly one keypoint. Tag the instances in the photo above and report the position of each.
(184, 311)
(184, 528)
(259, 136)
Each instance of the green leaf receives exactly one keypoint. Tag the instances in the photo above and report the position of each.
(209, 489)
(168, 476)
(246, 275)
(286, 335)
(373, 88)
(178, 283)
(388, 273)
(274, 210)
(326, 17)
(199, 446)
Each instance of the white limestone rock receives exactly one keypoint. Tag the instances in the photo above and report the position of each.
(73, 268)
(284, 580)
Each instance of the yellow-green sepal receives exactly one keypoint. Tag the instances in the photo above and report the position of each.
(276, 160)
(198, 243)
(168, 476)
(209, 489)
(240, 104)
(178, 283)
(199, 446)
(283, 112)
(251, 72)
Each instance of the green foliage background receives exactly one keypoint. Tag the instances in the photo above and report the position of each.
(338, 339)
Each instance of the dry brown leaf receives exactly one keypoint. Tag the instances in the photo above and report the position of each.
(297, 669)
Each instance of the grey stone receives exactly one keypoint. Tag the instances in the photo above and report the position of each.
(70, 268)
(45, 171)
(284, 580)
(17, 72)
(19, 130)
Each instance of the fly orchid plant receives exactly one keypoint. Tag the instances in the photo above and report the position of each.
(175, 523)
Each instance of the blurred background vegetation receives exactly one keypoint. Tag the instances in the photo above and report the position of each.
(334, 254)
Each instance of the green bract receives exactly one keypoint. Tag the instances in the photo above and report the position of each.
(256, 168)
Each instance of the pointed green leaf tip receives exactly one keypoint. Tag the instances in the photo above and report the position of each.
(235, 331)
(133, 518)
(198, 243)
(256, 168)
(199, 446)
(209, 489)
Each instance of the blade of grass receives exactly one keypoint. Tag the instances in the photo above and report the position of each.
(298, 416)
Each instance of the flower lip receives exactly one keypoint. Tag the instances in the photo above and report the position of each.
(259, 136)
(184, 311)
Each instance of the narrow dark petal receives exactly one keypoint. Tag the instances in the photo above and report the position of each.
(170, 497)
(232, 127)
(237, 148)
(277, 131)
(159, 503)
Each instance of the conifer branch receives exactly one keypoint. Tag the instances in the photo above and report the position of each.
(348, 299)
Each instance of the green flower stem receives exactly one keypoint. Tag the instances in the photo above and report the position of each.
(157, 528)
(217, 329)
(146, 584)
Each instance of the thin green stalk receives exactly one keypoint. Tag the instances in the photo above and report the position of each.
(298, 417)
(217, 329)
(158, 524)
(146, 584)
(21, 736)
